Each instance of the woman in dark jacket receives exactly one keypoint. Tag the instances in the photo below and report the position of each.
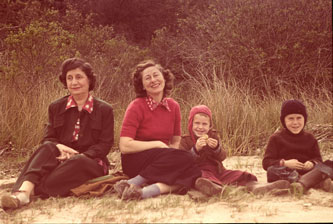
(78, 137)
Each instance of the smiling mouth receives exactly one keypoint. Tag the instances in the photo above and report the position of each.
(155, 86)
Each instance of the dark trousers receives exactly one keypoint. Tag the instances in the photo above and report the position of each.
(276, 172)
(54, 178)
(165, 165)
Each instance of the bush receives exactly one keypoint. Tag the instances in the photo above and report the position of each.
(267, 43)
(34, 54)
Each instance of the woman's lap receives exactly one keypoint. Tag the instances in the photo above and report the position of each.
(52, 178)
(166, 165)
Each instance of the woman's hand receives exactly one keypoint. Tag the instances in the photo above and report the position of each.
(161, 145)
(294, 164)
(201, 142)
(212, 143)
(129, 145)
(66, 152)
(308, 165)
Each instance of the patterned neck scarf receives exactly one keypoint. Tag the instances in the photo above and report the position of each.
(152, 104)
(88, 106)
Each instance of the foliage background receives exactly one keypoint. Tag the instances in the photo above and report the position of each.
(242, 58)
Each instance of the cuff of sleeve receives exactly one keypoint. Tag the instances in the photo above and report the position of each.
(314, 162)
(47, 142)
(91, 155)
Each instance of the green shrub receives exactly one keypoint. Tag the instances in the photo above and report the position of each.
(268, 43)
(34, 54)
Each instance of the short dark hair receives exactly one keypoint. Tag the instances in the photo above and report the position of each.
(74, 63)
(137, 78)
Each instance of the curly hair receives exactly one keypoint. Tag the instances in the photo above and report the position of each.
(137, 78)
(74, 63)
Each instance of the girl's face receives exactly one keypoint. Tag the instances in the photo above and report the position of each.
(153, 81)
(294, 123)
(77, 82)
(201, 124)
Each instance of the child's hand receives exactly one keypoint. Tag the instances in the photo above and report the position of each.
(308, 165)
(212, 143)
(294, 164)
(201, 142)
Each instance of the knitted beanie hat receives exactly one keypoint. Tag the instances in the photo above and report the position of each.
(197, 109)
(292, 107)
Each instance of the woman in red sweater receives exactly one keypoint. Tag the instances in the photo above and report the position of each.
(150, 137)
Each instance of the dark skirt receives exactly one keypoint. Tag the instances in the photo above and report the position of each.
(54, 178)
(226, 177)
(164, 165)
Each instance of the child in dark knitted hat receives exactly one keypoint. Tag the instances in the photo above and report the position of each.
(204, 144)
(293, 154)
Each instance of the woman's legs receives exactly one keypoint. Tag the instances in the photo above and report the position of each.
(169, 169)
(40, 164)
(68, 175)
(169, 166)
(134, 192)
(45, 175)
(138, 180)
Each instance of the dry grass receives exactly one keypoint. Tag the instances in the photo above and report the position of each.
(245, 118)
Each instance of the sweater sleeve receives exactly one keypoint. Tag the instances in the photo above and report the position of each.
(316, 156)
(185, 143)
(131, 121)
(221, 153)
(50, 132)
(271, 153)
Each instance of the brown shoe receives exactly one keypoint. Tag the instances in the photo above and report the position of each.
(326, 185)
(207, 187)
(9, 201)
(120, 187)
(277, 187)
(133, 192)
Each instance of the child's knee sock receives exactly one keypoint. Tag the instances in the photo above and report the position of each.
(151, 191)
(138, 180)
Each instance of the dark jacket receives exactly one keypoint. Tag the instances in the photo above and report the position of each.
(96, 129)
(285, 145)
(207, 155)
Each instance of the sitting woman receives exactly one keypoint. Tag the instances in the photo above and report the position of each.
(150, 138)
(78, 137)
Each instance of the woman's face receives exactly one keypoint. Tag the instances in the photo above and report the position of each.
(77, 82)
(153, 81)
